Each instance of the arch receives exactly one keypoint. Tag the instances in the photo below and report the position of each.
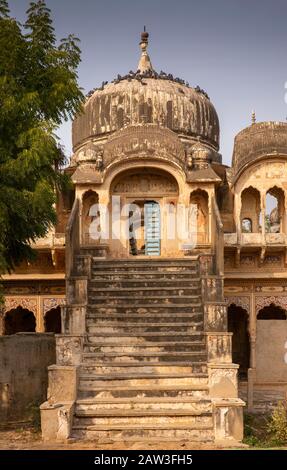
(237, 318)
(272, 312)
(19, 320)
(144, 182)
(52, 320)
(251, 208)
(199, 202)
(90, 217)
(275, 210)
(138, 200)
(132, 164)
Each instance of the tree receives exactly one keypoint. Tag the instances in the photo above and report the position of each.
(38, 91)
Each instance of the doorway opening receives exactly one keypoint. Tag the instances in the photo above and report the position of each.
(19, 320)
(238, 325)
(145, 228)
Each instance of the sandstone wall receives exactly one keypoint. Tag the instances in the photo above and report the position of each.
(24, 358)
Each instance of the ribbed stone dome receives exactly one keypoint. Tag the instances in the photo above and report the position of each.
(147, 97)
(152, 100)
(257, 141)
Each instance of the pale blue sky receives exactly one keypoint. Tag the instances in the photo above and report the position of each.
(234, 49)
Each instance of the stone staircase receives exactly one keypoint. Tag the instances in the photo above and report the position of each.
(143, 374)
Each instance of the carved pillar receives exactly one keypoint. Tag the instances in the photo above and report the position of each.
(284, 227)
(237, 215)
(252, 333)
(210, 197)
(263, 214)
(2, 321)
(40, 322)
(105, 206)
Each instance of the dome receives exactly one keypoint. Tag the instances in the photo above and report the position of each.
(147, 97)
(257, 141)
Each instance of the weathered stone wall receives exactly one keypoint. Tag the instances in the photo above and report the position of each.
(271, 351)
(24, 359)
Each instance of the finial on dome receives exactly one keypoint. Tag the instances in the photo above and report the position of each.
(145, 62)
(253, 117)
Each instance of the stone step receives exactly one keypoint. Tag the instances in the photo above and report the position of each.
(150, 292)
(129, 275)
(151, 269)
(144, 367)
(109, 319)
(135, 338)
(145, 433)
(91, 381)
(148, 347)
(89, 389)
(153, 282)
(136, 300)
(191, 419)
(144, 358)
(139, 328)
(140, 309)
(145, 263)
(144, 404)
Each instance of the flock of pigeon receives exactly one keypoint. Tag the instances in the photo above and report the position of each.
(148, 74)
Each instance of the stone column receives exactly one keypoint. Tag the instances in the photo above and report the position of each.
(40, 320)
(284, 225)
(210, 196)
(237, 215)
(263, 214)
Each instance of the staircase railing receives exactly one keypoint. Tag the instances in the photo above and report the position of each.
(218, 239)
(72, 240)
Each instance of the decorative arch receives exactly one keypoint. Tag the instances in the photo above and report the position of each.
(266, 301)
(251, 208)
(148, 142)
(275, 210)
(199, 202)
(27, 303)
(146, 181)
(240, 301)
(272, 312)
(90, 217)
(52, 302)
(120, 167)
(19, 320)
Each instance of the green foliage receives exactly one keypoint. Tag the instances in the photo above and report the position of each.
(4, 9)
(38, 90)
(266, 430)
(277, 426)
(33, 415)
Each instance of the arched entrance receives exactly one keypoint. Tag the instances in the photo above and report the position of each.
(238, 325)
(53, 320)
(19, 320)
(271, 334)
(145, 228)
(250, 211)
(90, 218)
(143, 195)
(199, 205)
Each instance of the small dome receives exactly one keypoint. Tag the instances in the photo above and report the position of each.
(256, 141)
